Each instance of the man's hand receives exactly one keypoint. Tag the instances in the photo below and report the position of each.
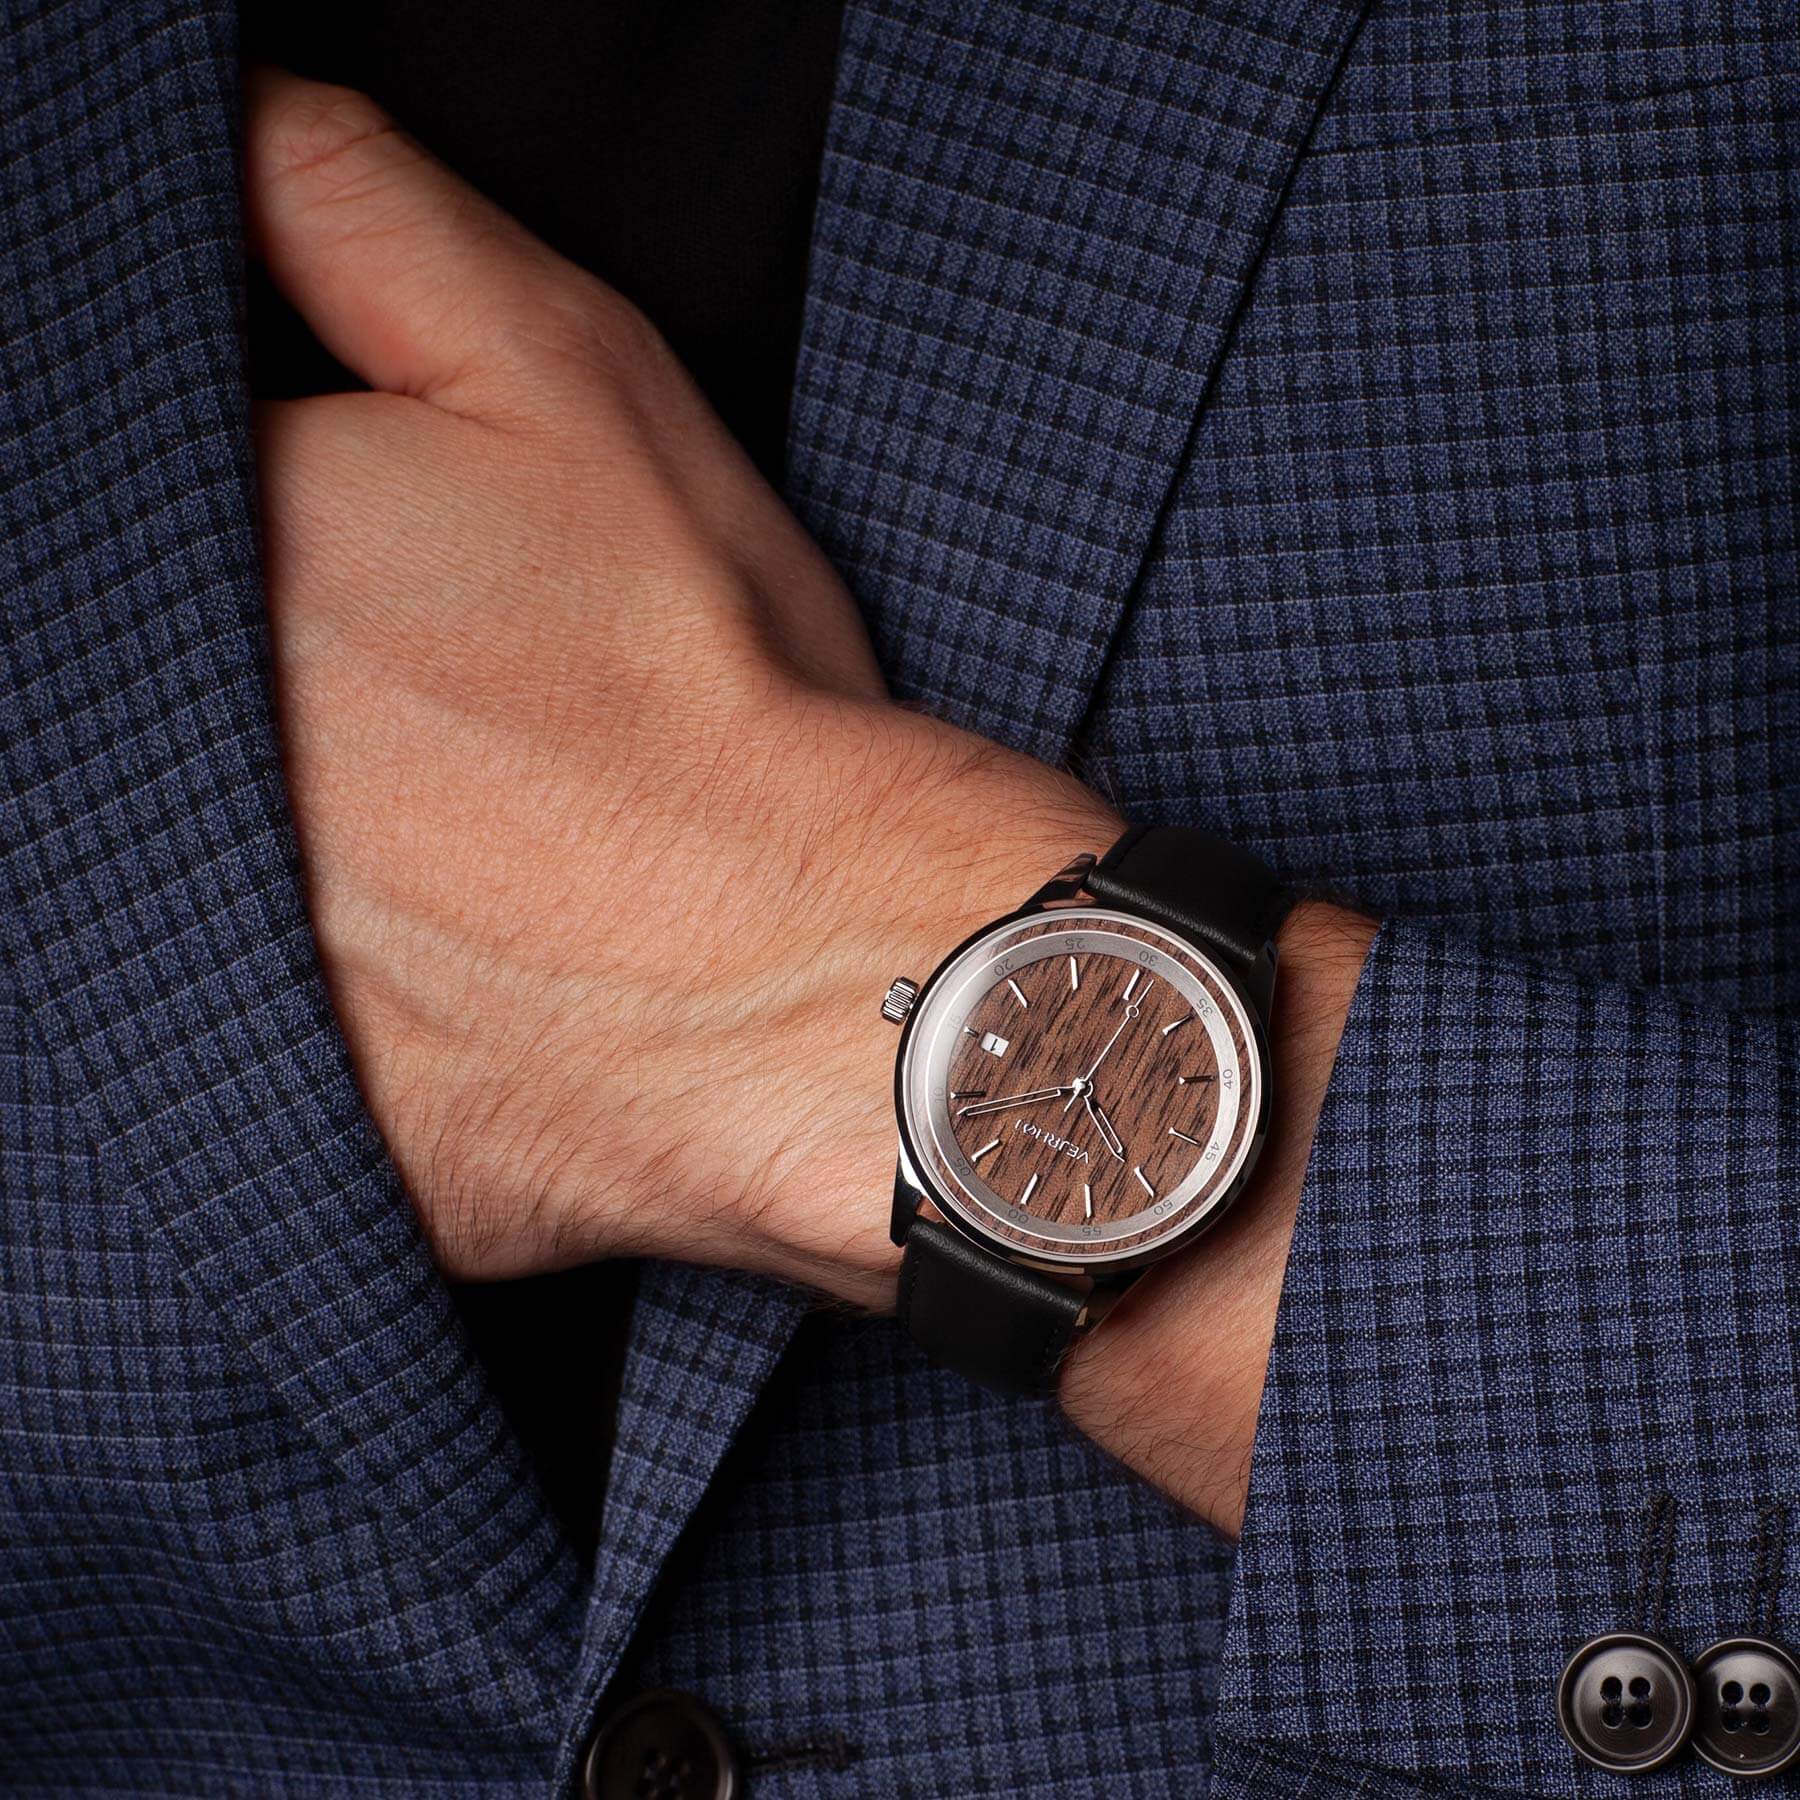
(612, 837)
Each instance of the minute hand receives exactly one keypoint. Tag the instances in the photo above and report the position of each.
(988, 1106)
(1131, 1012)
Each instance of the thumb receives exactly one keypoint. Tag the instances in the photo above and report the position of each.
(408, 276)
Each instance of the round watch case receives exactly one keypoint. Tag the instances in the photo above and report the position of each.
(935, 1166)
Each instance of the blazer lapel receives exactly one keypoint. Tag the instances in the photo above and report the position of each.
(154, 914)
(1035, 227)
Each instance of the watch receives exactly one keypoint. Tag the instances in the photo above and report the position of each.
(1082, 1089)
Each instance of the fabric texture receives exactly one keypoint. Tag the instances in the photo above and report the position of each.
(1363, 430)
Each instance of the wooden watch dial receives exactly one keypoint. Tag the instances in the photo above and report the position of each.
(1083, 1085)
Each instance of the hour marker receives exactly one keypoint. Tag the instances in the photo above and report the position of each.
(1030, 1187)
(1176, 1024)
(1087, 1201)
(991, 1144)
(1131, 985)
(1189, 1080)
(1185, 1138)
(1018, 992)
(968, 1093)
(1074, 973)
(1145, 1179)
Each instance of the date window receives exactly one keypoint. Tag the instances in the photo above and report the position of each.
(994, 1044)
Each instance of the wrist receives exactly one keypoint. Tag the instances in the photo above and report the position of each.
(736, 1112)
(1172, 1383)
(967, 832)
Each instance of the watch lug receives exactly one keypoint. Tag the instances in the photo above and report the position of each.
(1259, 981)
(1108, 1290)
(1065, 884)
(907, 1196)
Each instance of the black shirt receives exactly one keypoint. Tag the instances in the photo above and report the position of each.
(673, 150)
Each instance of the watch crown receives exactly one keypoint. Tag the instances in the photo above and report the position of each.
(899, 1001)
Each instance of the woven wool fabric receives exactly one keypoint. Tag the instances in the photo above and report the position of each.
(1367, 430)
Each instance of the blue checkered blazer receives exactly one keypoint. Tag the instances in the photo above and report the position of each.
(1366, 429)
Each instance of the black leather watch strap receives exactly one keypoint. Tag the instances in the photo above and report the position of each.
(1203, 887)
(1001, 1325)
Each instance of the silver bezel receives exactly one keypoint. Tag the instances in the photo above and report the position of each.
(923, 1106)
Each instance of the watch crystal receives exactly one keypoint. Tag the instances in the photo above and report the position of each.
(1082, 1086)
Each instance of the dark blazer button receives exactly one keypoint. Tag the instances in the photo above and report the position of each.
(1625, 1702)
(663, 1745)
(1749, 1717)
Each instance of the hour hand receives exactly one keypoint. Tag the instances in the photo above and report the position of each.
(988, 1106)
(1104, 1126)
